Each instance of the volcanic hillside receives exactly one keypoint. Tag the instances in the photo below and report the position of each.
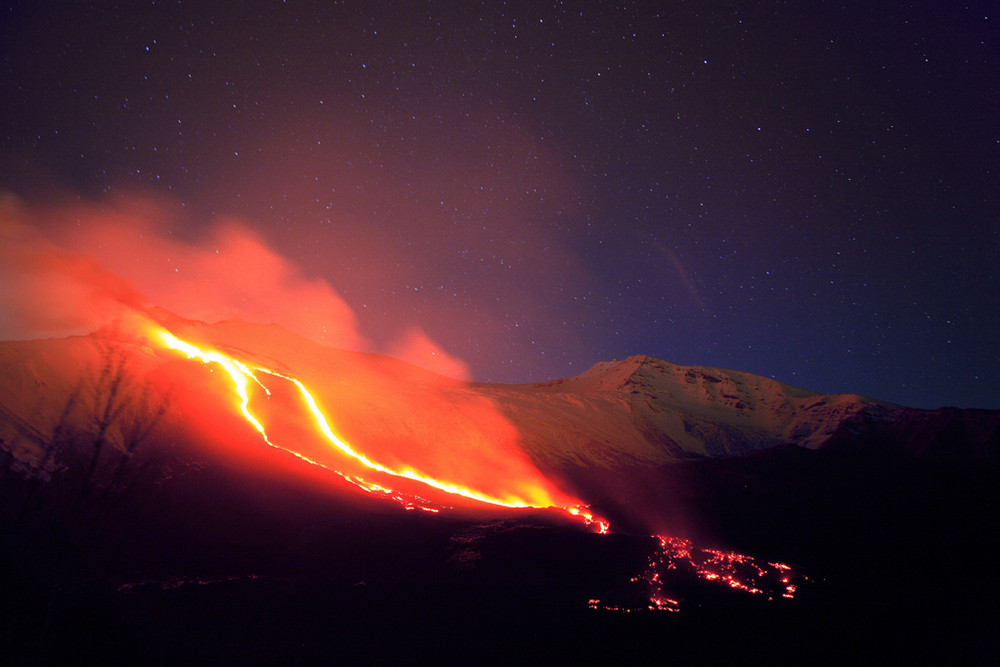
(141, 496)
(636, 413)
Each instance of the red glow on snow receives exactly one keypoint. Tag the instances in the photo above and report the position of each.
(246, 379)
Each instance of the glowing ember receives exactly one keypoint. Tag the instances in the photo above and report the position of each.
(735, 570)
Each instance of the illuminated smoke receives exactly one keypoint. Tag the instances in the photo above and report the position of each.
(49, 289)
(70, 269)
(417, 348)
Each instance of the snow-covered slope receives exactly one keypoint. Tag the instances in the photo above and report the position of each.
(644, 411)
(640, 412)
(58, 388)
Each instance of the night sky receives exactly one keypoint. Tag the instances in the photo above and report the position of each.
(804, 190)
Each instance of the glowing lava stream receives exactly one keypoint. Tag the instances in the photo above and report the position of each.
(242, 375)
(730, 568)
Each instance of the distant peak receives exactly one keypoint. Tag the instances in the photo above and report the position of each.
(642, 360)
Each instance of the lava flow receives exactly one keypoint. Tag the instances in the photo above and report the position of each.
(681, 559)
(673, 556)
(244, 377)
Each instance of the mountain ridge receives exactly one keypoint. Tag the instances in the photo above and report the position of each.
(637, 412)
(634, 412)
(695, 411)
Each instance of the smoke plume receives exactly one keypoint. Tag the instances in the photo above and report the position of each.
(71, 268)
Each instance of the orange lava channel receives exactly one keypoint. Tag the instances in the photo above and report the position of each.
(242, 375)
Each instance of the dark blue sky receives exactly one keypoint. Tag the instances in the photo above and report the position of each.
(804, 190)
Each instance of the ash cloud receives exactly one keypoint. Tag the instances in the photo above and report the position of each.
(48, 289)
(417, 348)
(71, 268)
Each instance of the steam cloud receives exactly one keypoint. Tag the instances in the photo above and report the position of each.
(417, 348)
(70, 269)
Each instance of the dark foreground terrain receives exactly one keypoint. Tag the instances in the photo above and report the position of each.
(234, 567)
